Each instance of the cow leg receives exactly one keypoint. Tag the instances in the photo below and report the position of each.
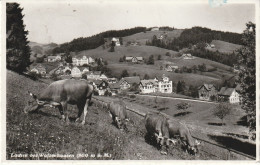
(64, 106)
(80, 108)
(85, 112)
(61, 112)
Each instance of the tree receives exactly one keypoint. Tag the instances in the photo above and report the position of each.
(222, 110)
(121, 59)
(183, 106)
(180, 87)
(17, 48)
(247, 74)
(124, 73)
(167, 54)
(134, 87)
(150, 60)
(112, 46)
(159, 57)
(146, 77)
(121, 40)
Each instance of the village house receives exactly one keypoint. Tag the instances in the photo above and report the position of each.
(75, 72)
(85, 70)
(103, 77)
(155, 29)
(58, 58)
(114, 88)
(134, 59)
(81, 61)
(207, 91)
(112, 80)
(162, 85)
(51, 59)
(128, 82)
(66, 70)
(229, 94)
(93, 75)
(147, 86)
(39, 69)
(187, 56)
(209, 46)
(116, 40)
(101, 86)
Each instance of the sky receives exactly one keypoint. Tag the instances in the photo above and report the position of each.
(59, 22)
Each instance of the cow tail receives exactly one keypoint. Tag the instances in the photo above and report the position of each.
(90, 102)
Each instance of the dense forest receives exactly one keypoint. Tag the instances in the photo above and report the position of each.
(95, 41)
(196, 35)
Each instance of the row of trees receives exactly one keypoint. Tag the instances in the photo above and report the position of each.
(85, 43)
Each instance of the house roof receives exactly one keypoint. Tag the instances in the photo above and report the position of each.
(207, 86)
(128, 58)
(114, 86)
(146, 82)
(131, 80)
(226, 91)
(51, 57)
(139, 58)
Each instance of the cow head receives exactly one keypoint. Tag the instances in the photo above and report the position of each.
(194, 149)
(121, 123)
(33, 104)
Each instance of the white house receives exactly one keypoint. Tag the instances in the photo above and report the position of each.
(187, 56)
(147, 86)
(75, 72)
(39, 69)
(51, 59)
(163, 85)
(81, 61)
(58, 58)
(229, 94)
(85, 70)
(155, 29)
(116, 40)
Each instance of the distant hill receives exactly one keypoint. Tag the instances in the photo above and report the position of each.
(143, 37)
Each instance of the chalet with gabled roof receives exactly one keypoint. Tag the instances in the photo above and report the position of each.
(206, 91)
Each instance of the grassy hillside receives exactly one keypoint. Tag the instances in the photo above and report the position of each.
(120, 51)
(143, 37)
(224, 47)
(154, 70)
(45, 133)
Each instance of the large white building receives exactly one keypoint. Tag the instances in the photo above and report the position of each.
(229, 94)
(82, 61)
(163, 85)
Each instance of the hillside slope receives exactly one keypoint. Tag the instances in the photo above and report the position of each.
(143, 37)
(223, 71)
(45, 133)
(224, 47)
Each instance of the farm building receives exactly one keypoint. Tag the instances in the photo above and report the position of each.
(112, 80)
(147, 86)
(116, 40)
(229, 94)
(162, 85)
(94, 75)
(206, 91)
(127, 82)
(155, 29)
(39, 69)
(75, 72)
(187, 56)
(134, 59)
(114, 88)
(51, 59)
(100, 86)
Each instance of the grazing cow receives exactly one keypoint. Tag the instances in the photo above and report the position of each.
(156, 127)
(178, 129)
(117, 110)
(63, 92)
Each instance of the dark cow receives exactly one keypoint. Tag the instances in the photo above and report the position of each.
(178, 129)
(156, 126)
(117, 110)
(63, 92)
